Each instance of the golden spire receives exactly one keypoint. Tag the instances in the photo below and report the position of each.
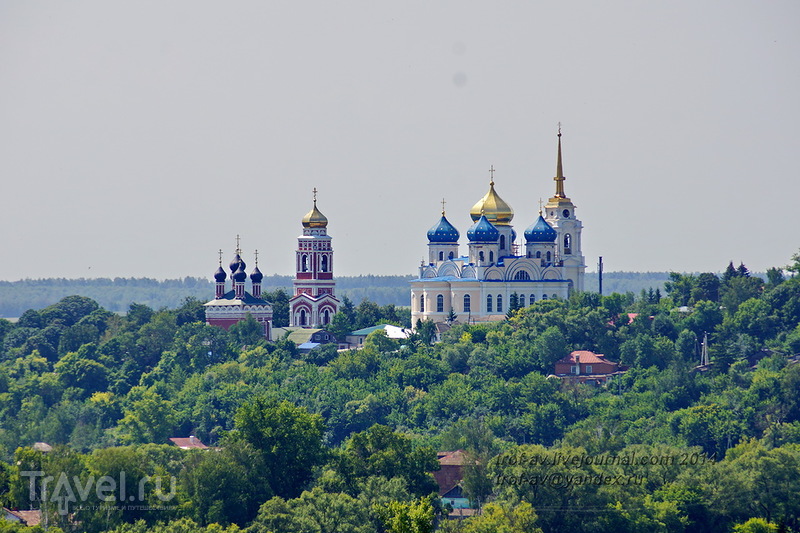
(496, 210)
(560, 196)
(315, 219)
(559, 170)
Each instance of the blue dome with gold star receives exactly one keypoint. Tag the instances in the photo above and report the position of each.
(540, 231)
(483, 231)
(443, 232)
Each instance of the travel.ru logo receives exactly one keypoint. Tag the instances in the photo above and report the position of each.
(67, 491)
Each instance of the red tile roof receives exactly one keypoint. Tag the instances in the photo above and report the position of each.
(585, 357)
(187, 443)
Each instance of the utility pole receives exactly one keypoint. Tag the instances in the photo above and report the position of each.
(600, 275)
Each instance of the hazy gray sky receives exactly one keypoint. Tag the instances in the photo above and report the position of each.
(138, 138)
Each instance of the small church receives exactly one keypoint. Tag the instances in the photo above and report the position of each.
(499, 270)
(313, 302)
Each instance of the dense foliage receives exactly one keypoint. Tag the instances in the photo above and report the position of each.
(333, 441)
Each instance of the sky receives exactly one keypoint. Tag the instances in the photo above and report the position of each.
(138, 138)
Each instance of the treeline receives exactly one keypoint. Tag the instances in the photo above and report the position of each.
(117, 294)
(344, 441)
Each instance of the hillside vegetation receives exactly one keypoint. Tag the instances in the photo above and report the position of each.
(333, 441)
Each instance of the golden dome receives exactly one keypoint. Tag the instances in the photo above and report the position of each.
(496, 210)
(315, 219)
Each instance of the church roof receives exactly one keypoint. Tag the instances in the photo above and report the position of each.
(229, 298)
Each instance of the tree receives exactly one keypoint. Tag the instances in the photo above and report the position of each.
(280, 307)
(550, 346)
(426, 331)
(313, 511)
(150, 418)
(504, 518)
(247, 331)
(191, 310)
(706, 287)
(407, 517)
(381, 452)
(289, 439)
(756, 525)
(367, 314)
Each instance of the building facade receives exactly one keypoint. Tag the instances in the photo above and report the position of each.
(314, 301)
(499, 270)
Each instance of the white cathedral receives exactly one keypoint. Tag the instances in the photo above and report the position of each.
(497, 269)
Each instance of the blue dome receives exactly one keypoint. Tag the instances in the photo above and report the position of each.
(220, 275)
(483, 231)
(443, 231)
(540, 231)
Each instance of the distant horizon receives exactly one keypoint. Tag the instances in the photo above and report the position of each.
(210, 279)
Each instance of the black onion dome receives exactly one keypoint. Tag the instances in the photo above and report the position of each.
(256, 276)
(240, 274)
(220, 274)
(234, 266)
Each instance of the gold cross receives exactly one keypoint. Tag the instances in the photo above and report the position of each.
(559, 129)
(540, 206)
(220, 257)
(256, 254)
(491, 174)
(315, 195)
(443, 202)
(238, 250)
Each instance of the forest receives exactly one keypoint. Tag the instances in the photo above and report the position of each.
(345, 442)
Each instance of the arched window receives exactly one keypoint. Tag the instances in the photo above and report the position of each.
(491, 257)
(522, 275)
(326, 317)
(450, 256)
(439, 303)
(502, 242)
(480, 257)
(499, 303)
(467, 303)
(488, 303)
(539, 254)
(567, 244)
(533, 299)
(324, 263)
(304, 264)
(548, 257)
(529, 255)
(422, 303)
(302, 317)
(544, 297)
(441, 256)
(521, 300)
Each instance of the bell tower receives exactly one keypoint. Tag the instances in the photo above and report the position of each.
(560, 214)
(313, 303)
